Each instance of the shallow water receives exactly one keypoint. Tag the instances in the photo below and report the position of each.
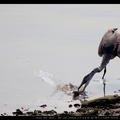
(59, 42)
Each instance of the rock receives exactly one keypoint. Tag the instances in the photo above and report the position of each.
(66, 112)
(95, 112)
(39, 111)
(43, 106)
(18, 112)
(107, 113)
(102, 101)
(70, 105)
(49, 112)
(29, 113)
(71, 112)
(86, 111)
(26, 109)
(77, 105)
(81, 110)
(75, 93)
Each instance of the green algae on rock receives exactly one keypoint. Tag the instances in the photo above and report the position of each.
(102, 101)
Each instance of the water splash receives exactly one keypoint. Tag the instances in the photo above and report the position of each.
(52, 80)
(45, 76)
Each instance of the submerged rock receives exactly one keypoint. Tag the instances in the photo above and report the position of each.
(43, 106)
(75, 93)
(70, 105)
(77, 105)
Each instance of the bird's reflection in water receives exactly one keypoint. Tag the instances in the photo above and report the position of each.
(104, 84)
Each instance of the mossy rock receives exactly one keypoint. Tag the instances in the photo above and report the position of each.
(49, 112)
(95, 112)
(102, 101)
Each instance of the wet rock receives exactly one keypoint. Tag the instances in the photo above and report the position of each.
(86, 111)
(51, 112)
(107, 113)
(5, 114)
(77, 105)
(71, 112)
(39, 111)
(18, 112)
(109, 105)
(75, 93)
(81, 110)
(70, 105)
(95, 112)
(66, 112)
(117, 111)
(43, 106)
(34, 114)
(78, 110)
(29, 113)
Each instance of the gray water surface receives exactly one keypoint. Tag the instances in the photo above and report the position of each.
(60, 40)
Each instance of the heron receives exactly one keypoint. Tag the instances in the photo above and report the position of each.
(108, 49)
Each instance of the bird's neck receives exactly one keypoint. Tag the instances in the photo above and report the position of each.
(91, 74)
(105, 61)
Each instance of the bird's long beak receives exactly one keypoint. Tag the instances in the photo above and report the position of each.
(83, 85)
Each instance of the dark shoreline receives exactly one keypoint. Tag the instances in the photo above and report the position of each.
(103, 106)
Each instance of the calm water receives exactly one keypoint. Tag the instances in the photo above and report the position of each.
(61, 40)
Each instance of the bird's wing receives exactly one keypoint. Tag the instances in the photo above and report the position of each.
(100, 50)
(109, 38)
(118, 42)
(118, 51)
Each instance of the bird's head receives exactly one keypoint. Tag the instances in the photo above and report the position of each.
(85, 82)
(111, 31)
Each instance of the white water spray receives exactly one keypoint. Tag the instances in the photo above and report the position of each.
(45, 76)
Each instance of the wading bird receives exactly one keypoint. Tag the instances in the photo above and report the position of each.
(109, 48)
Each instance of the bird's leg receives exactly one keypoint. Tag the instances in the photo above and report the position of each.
(104, 81)
(104, 87)
(104, 73)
